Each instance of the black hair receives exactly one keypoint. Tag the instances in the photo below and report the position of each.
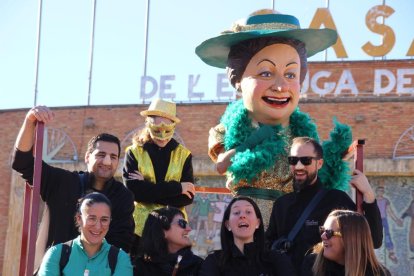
(241, 54)
(227, 239)
(91, 199)
(152, 243)
(308, 140)
(106, 137)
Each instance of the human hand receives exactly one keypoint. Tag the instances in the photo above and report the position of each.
(40, 113)
(361, 183)
(136, 175)
(259, 135)
(188, 189)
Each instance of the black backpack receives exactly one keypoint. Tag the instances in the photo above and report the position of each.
(67, 248)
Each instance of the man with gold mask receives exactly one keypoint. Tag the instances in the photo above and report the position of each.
(158, 170)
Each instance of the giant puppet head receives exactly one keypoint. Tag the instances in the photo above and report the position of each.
(265, 57)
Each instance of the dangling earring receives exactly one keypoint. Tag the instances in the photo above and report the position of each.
(238, 90)
(229, 229)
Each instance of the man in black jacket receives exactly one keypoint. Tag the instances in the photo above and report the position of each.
(61, 189)
(306, 158)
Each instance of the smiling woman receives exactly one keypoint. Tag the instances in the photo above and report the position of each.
(89, 253)
(346, 248)
(165, 248)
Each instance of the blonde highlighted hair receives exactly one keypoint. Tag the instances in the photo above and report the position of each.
(141, 137)
(358, 246)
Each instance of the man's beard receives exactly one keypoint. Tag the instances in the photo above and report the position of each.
(299, 185)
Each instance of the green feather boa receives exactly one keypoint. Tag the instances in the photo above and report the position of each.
(335, 171)
(249, 163)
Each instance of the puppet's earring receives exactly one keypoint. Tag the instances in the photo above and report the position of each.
(238, 89)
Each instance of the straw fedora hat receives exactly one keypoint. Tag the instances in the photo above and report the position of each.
(162, 108)
(214, 51)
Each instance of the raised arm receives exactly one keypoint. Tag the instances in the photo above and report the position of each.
(371, 210)
(25, 138)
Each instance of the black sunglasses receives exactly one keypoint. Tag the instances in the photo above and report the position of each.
(329, 233)
(305, 160)
(182, 223)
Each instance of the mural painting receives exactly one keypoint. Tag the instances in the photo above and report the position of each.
(205, 215)
(395, 198)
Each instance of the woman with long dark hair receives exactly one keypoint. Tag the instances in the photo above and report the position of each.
(165, 247)
(242, 245)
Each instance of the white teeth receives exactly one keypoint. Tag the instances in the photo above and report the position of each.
(279, 100)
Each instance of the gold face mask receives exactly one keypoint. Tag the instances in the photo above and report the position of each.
(161, 131)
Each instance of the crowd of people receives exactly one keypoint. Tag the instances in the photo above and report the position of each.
(288, 216)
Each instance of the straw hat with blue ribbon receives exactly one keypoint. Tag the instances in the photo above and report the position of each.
(214, 51)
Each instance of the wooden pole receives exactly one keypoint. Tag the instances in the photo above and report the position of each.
(31, 208)
(25, 229)
(359, 165)
(356, 150)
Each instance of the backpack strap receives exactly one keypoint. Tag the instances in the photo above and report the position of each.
(113, 258)
(315, 200)
(67, 248)
(83, 178)
(65, 254)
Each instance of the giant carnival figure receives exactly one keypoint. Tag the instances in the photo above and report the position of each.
(266, 61)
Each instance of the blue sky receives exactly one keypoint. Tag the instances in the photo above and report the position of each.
(176, 28)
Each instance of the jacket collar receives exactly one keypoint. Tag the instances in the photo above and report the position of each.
(171, 145)
(91, 179)
(249, 249)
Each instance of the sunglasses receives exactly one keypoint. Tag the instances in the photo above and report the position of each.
(305, 160)
(329, 233)
(182, 223)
